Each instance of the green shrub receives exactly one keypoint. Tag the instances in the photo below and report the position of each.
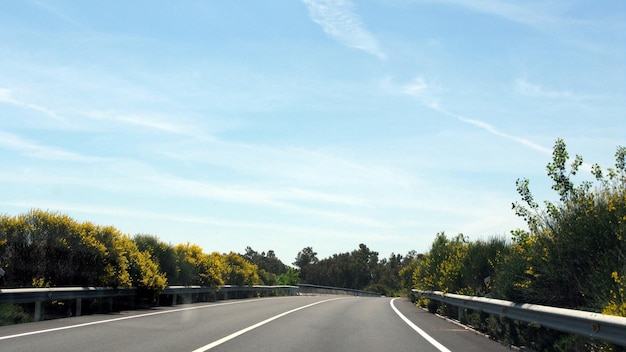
(13, 314)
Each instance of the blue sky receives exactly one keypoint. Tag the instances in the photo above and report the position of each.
(285, 124)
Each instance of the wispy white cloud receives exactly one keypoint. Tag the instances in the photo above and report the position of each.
(491, 129)
(416, 88)
(274, 229)
(156, 122)
(534, 14)
(524, 87)
(6, 97)
(75, 118)
(138, 179)
(420, 89)
(290, 165)
(40, 151)
(52, 11)
(135, 213)
(561, 19)
(339, 20)
(319, 204)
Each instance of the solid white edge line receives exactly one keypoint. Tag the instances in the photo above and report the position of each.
(252, 327)
(126, 318)
(428, 338)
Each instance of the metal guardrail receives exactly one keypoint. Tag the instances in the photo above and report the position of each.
(327, 290)
(595, 325)
(40, 295)
(28, 295)
(228, 291)
(171, 295)
(187, 294)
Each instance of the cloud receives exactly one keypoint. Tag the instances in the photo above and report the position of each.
(156, 122)
(130, 212)
(524, 87)
(533, 16)
(416, 88)
(184, 124)
(289, 199)
(7, 97)
(491, 129)
(39, 151)
(420, 89)
(52, 11)
(338, 20)
(291, 165)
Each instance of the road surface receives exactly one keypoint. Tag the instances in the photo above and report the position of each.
(299, 323)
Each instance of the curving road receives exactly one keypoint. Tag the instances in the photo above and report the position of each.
(301, 323)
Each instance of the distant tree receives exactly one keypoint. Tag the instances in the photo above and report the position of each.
(290, 278)
(197, 268)
(239, 271)
(306, 256)
(388, 274)
(356, 270)
(440, 269)
(161, 253)
(364, 266)
(409, 266)
(305, 261)
(269, 265)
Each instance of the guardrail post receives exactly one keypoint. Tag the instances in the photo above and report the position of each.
(37, 316)
(79, 307)
(174, 299)
(460, 313)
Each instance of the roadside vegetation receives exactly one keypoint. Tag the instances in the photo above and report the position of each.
(572, 255)
(48, 249)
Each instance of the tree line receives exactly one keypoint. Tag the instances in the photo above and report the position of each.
(47, 249)
(573, 255)
(359, 269)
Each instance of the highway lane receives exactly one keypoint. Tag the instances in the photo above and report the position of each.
(302, 323)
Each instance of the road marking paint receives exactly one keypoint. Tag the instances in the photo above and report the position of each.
(428, 338)
(126, 318)
(252, 327)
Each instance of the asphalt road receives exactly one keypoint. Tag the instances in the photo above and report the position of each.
(301, 323)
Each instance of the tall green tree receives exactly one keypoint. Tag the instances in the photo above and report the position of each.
(269, 266)
(305, 261)
(291, 278)
(573, 255)
(355, 270)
